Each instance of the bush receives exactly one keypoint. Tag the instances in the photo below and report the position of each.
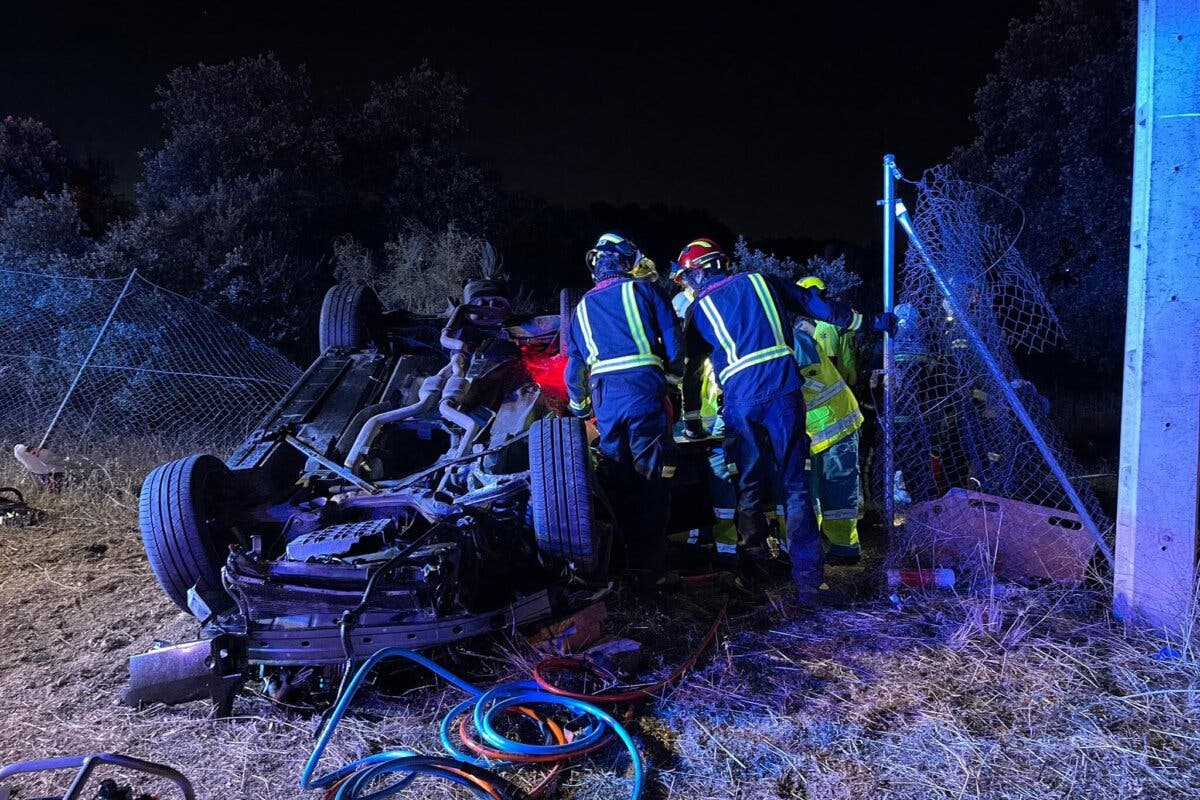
(839, 281)
(32, 162)
(422, 270)
(42, 235)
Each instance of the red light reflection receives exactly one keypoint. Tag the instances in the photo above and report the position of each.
(547, 372)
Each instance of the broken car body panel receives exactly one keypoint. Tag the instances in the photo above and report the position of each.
(383, 501)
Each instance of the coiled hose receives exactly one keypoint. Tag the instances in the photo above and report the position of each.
(489, 747)
(351, 781)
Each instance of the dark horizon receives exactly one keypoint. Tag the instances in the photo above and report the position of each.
(770, 122)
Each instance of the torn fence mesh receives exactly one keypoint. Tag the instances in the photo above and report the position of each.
(954, 428)
(165, 366)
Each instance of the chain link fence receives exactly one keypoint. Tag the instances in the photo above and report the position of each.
(966, 423)
(90, 364)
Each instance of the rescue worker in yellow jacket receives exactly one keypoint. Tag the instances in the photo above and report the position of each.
(721, 471)
(836, 344)
(833, 420)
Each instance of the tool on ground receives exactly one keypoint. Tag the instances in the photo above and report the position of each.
(85, 765)
(15, 511)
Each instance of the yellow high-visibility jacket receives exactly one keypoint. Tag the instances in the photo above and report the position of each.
(839, 346)
(833, 412)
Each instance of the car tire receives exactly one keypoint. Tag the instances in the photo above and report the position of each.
(568, 300)
(560, 494)
(183, 510)
(350, 315)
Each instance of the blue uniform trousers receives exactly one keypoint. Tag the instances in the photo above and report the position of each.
(638, 458)
(768, 443)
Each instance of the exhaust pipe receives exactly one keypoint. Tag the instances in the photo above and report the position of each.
(431, 390)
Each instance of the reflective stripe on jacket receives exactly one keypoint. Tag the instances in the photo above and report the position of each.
(832, 411)
(621, 324)
(710, 398)
(745, 321)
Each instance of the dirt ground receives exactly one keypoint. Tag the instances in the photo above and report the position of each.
(996, 694)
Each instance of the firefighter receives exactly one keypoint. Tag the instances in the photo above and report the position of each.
(743, 322)
(625, 353)
(833, 420)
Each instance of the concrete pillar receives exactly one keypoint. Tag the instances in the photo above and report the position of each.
(1155, 574)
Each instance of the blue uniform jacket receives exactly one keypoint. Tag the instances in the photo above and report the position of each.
(744, 323)
(621, 324)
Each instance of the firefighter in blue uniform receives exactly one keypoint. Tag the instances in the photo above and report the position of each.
(625, 353)
(743, 322)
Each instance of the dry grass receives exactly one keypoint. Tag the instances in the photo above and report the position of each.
(422, 269)
(1034, 694)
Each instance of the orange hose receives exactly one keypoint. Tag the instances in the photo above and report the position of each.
(559, 735)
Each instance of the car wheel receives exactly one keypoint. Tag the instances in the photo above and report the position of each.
(183, 511)
(349, 316)
(568, 299)
(560, 493)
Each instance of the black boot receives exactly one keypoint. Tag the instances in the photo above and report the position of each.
(822, 597)
(841, 560)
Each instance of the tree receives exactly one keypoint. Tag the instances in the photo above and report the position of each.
(91, 183)
(402, 165)
(52, 208)
(839, 281)
(43, 234)
(231, 206)
(1056, 135)
(249, 120)
(32, 162)
(255, 181)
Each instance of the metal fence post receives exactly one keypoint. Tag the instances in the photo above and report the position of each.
(87, 359)
(890, 173)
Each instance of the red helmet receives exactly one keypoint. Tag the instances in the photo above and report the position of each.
(699, 254)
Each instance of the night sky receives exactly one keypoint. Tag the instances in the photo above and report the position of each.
(773, 120)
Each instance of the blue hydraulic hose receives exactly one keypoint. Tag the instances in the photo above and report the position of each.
(484, 706)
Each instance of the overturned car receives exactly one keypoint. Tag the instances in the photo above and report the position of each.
(413, 488)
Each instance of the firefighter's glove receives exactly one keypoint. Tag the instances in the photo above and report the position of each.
(886, 322)
(694, 429)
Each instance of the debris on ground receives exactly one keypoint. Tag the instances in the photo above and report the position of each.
(43, 464)
(621, 657)
(111, 790)
(14, 511)
(1015, 541)
(573, 633)
(983, 692)
(928, 578)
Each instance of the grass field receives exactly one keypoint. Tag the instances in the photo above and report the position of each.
(1001, 695)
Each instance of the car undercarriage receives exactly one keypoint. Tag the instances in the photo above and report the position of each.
(415, 487)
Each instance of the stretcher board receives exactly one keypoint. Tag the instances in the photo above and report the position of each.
(1018, 540)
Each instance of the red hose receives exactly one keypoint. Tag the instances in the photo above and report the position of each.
(560, 735)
